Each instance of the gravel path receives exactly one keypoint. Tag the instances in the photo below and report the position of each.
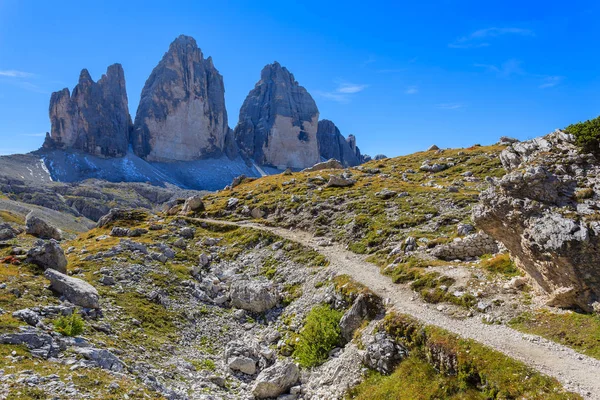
(575, 371)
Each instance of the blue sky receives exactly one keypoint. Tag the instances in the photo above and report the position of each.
(399, 75)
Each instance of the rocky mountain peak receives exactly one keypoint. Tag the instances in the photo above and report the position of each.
(332, 144)
(181, 115)
(85, 77)
(94, 118)
(278, 121)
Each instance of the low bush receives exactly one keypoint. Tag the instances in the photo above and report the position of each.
(71, 325)
(321, 333)
(587, 134)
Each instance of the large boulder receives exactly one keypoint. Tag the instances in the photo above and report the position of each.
(37, 227)
(193, 204)
(48, 255)
(94, 118)
(339, 181)
(75, 290)
(332, 163)
(278, 122)
(255, 296)
(7, 232)
(545, 212)
(276, 380)
(181, 115)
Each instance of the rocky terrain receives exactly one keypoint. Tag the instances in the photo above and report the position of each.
(397, 278)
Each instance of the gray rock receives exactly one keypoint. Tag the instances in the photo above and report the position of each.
(433, 147)
(94, 118)
(245, 365)
(332, 145)
(338, 181)
(101, 358)
(118, 231)
(40, 344)
(525, 211)
(75, 290)
(48, 255)
(7, 232)
(27, 315)
(383, 354)
(276, 380)
(386, 194)
(329, 164)
(192, 204)
(253, 295)
(37, 227)
(181, 115)
(278, 122)
(465, 229)
(365, 306)
(187, 232)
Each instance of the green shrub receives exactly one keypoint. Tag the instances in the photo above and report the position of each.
(321, 333)
(71, 325)
(500, 264)
(587, 134)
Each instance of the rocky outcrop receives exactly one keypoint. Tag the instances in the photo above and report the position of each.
(253, 296)
(75, 290)
(36, 226)
(278, 122)
(545, 212)
(181, 115)
(94, 118)
(48, 255)
(383, 353)
(333, 145)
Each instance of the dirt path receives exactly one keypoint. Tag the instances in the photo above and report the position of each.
(577, 372)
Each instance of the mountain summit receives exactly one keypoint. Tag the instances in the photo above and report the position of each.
(181, 115)
(278, 121)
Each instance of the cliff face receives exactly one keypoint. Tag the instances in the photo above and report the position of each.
(181, 115)
(94, 118)
(278, 122)
(545, 212)
(333, 145)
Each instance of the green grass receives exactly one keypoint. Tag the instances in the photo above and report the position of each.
(320, 334)
(500, 264)
(578, 331)
(469, 370)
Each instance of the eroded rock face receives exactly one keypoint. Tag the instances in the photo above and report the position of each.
(278, 122)
(181, 115)
(94, 118)
(545, 212)
(333, 145)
